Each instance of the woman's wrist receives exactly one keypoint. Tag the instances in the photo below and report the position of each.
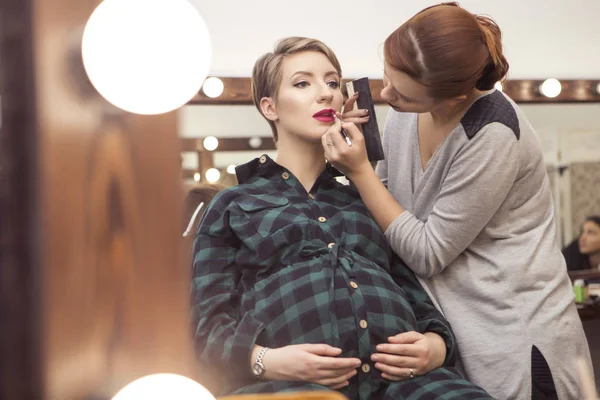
(269, 373)
(363, 173)
(254, 354)
(440, 348)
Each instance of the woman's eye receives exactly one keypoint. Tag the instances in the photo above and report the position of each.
(334, 84)
(302, 84)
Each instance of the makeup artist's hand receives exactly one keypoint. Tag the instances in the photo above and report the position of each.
(350, 160)
(357, 117)
(409, 350)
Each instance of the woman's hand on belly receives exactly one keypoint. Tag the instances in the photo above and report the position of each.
(409, 350)
(315, 363)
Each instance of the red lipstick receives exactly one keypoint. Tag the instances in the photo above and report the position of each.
(325, 115)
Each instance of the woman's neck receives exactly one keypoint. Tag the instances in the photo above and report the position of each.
(594, 260)
(452, 114)
(303, 159)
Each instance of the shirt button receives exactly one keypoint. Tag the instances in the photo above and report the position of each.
(330, 245)
(263, 159)
(353, 285)
(322, 219)
(363, 324)
(365, 368)
(310, 196)
(285, 176)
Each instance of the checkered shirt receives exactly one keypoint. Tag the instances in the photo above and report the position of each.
(275, 265)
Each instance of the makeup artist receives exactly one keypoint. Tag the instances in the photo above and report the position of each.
(464, 199)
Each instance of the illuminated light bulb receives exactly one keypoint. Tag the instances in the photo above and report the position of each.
(210, 143)
(212, 175)
(213, 87)
(163, 387)
(498, 86)
(255, 142)
(551, 88)
(598, 88)
(197, 176)
(146, 56)
(231, 169)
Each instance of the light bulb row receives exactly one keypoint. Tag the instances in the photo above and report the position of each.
(213, 87)
(211, 143)
(550, 88)
(213, 175)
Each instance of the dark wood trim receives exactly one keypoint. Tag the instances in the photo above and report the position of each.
(237, 92)
(227, 144)
(584, 274)
(21, 375)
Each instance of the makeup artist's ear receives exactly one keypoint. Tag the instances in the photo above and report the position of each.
(267, 106)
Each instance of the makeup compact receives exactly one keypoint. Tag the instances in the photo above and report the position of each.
(370, 129)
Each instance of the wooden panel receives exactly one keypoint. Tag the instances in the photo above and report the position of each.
(112, 301)
(237, 91)
(21, 375)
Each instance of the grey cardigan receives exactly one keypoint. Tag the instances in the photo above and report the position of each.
(479, 232)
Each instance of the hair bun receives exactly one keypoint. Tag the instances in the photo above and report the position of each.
(497, 66)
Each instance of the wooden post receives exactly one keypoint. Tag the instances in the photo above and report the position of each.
(92, 288)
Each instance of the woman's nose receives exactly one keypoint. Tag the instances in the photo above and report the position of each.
(326, 96)
(386, 94)
(326, 92)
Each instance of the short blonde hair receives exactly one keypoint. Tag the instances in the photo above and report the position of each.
(266, 74)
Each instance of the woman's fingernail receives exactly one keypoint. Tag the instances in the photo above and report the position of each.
(366, 112)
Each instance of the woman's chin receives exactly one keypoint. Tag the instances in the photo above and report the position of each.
(314, 137)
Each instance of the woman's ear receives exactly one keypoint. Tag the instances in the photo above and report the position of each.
(267, 106)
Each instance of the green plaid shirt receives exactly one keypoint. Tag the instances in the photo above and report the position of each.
(275, 265)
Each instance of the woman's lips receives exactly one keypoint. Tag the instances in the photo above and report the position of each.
(324, 118)
(325, 115)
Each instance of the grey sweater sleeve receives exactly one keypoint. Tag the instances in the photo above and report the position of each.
(480, 177)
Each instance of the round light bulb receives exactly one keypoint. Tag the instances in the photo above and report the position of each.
(255, 142)
(231, 169)
(210, 143)
(213, 87)
(498, 86)
(551, 88)
(197, 176)
(146, 56)
(212, 175)
(162, 387)
(598, 88)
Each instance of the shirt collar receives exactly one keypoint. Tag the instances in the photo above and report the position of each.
(265, 167)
